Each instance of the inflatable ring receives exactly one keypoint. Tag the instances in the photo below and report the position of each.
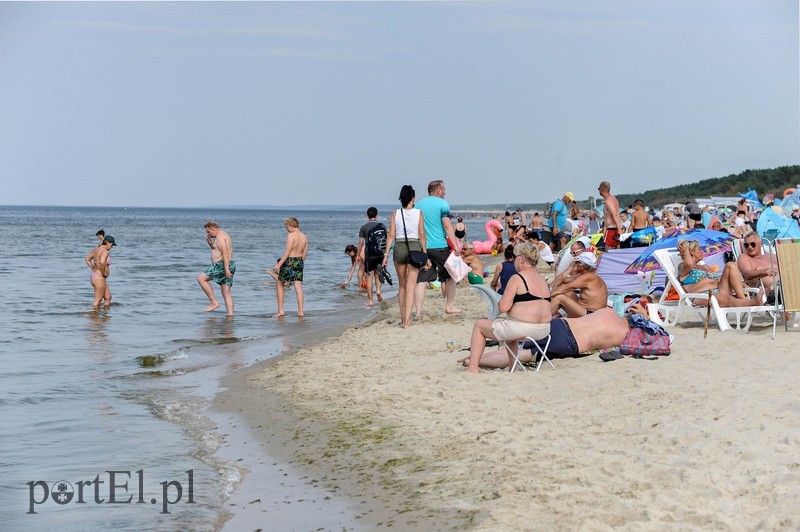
(788, 192)
(485, 247)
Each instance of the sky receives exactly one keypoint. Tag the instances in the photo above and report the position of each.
(303, 103)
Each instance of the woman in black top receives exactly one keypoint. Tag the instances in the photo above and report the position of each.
(526, 302)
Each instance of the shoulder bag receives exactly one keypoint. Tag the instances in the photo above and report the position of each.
(417, 259)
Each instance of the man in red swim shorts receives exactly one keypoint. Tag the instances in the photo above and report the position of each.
(611, 238)
(611, 221)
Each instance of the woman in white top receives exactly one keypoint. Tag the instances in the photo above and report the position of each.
(407, 231)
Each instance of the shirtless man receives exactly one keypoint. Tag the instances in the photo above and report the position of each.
(569, 337)
(593, 290)
(222, 267)
(475, 276)
(611, 220)
(290, 267)
(756, 266)
(536, 225)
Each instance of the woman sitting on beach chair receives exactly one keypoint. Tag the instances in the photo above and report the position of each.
(570, 337)
(526, 301)
(697, 278)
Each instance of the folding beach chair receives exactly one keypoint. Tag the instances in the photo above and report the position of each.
(787, 253)
(540, 353)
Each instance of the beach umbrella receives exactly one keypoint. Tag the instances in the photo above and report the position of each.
(711, 243)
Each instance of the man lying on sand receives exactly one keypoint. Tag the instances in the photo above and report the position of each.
(602, 329)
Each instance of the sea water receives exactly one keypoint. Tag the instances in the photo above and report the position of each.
(101, 410)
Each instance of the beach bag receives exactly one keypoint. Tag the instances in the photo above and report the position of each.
(417, 259)
(376, 241)
(639, 342)
(456, 267)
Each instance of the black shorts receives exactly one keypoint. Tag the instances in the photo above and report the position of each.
(426, 275)
(438, 257)
(696, 217)
(561, 340)
(372, 263)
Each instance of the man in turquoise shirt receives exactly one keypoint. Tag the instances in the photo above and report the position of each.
(558, 218)
(438, 229)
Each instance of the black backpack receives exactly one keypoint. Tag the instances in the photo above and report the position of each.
(375, 244)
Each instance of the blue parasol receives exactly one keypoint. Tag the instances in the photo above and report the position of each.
(711, 242)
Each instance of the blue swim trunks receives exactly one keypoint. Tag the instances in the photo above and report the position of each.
(217, 272)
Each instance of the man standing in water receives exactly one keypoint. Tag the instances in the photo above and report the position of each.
(290, 267)
(222, 267)
(612, 225)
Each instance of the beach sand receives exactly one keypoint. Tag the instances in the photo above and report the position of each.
(385, 418)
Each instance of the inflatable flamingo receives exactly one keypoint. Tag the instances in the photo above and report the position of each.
(485, 247)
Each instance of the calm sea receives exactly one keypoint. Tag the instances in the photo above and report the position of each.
(85, 392)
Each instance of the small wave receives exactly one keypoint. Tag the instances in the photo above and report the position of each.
(185, 412)
(163, 373)
(151, 361)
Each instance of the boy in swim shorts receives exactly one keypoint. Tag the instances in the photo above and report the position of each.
(290, 266)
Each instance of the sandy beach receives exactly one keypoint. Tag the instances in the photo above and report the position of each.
(385, 418)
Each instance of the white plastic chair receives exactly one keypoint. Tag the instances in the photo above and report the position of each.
(491, 297)
(669, 259)
(540, 353)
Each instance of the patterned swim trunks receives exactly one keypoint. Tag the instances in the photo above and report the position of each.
(291, 270)
(217, 272)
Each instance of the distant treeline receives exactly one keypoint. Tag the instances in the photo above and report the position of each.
(772, 180)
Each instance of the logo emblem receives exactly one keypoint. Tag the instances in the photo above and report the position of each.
(62, 492)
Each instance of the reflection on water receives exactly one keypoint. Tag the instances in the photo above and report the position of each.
(100, 345)
(220, 328)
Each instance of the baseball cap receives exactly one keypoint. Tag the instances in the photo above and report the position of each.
(569, 195)
(110, 239)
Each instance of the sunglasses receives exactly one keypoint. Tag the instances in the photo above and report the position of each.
(750, 244)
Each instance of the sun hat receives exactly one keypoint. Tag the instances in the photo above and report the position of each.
(569, 195)
(587, 243)
(588, 258)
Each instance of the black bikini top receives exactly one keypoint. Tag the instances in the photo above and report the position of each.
(527, 296)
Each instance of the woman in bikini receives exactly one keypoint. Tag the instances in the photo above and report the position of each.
(696, 278)
(98, 261)
(526, 302)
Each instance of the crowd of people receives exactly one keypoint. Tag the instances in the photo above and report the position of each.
(572, 308)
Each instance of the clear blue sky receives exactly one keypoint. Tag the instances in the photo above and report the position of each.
(196, 104)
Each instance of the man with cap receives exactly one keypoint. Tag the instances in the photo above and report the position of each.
(558, 219)
(593, 292)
